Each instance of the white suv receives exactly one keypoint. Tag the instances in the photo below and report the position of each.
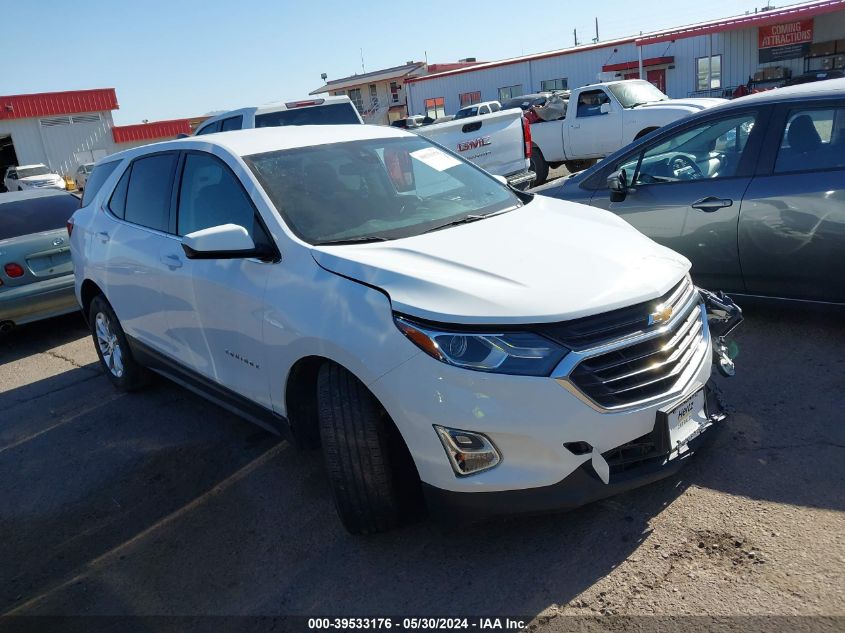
(335, 110)
(439, 333)
(24, 177)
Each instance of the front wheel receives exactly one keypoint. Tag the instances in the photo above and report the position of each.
(355, 435)
(116, 359)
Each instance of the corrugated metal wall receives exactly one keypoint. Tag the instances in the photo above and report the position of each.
(738, 50)
(61, 142)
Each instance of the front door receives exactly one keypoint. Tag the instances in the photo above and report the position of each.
(793, 217)
(593, 133)
(215, 307)
(685, 192)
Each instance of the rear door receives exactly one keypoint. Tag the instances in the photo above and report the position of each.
(792, 226)
(686, 188)
(129, 240)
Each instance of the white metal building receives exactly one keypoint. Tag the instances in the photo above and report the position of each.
(708, 59)
(65, 129)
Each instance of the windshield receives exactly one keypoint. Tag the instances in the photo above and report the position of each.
(375, 189)
(26, 172)
(631, 93)
(333, 114)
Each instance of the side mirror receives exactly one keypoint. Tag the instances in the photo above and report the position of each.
(400, 169)
(617, 182)
(227, 241)
(604, 108)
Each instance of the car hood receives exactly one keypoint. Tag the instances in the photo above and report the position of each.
(690, 105)
(550, 260)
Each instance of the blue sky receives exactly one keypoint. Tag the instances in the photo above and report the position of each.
(185, 57)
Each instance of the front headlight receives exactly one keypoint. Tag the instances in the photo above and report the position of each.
(500, 352)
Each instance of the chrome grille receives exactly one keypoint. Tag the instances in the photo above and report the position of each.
(592, 331)
(647, 364)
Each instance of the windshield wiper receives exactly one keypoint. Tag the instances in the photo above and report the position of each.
(472, 217)
(363, 239)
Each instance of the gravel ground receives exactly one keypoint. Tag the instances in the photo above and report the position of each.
(161, 503)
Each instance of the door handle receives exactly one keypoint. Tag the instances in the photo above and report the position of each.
(712, 203)
(104, 237)
(575, 126)
(171, 261)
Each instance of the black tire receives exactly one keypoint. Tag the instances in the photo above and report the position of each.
(354, 430)
(573, 166)
(539, 166)
(131, 375)
(642, 133)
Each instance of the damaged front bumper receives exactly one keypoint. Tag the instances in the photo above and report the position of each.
(723, 316)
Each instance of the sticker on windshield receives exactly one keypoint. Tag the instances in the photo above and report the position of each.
(436, 159)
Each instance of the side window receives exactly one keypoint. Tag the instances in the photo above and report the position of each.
(812, 139)
(117, 202)
(495, 107)
(484, 110)
(96, 179)
(710, 150)
(212, 195)
(148, 194)
(590, 101)
(232, 123)
(209, 129)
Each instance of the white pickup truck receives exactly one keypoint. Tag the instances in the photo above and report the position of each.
(499, 142)
(600, 119)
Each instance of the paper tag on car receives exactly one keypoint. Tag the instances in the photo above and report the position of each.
(435, 158)
(685, 419)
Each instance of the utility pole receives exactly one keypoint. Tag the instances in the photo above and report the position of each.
(597, 30)
(362, 61)
(575, 36)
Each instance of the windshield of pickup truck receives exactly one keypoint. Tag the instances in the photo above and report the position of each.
(376, 189)
(334, 114)
(632, 93)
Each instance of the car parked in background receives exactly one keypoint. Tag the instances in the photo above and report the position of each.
(603, 117)
(437, 332)
(80, 176)
(333, 110)
(36, 274)
(752, 191)
(410, 122)
(23, 177)
(477, 109)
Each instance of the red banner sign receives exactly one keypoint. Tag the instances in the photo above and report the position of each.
(800, 32)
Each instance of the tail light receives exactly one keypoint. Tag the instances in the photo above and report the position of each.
(70, 227)
(14, 270)
(526, 136)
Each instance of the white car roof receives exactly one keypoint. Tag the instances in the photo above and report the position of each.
(29, 166)
(270, 139)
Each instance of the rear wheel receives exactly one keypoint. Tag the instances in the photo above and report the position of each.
(355, 434)
(642, 133)
(113, 348)
(573, 166)
(539, 166)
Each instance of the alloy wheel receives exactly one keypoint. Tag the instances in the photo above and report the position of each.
(109, 344)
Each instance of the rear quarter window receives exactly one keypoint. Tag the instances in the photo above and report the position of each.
(96, 179)
(148, 195)
(36, 215)
(333, 114)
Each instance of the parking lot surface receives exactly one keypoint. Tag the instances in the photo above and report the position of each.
(161, 503)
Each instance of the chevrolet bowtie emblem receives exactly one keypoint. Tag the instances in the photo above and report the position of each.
(661, 315)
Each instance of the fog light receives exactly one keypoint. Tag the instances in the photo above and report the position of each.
(469, 453)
